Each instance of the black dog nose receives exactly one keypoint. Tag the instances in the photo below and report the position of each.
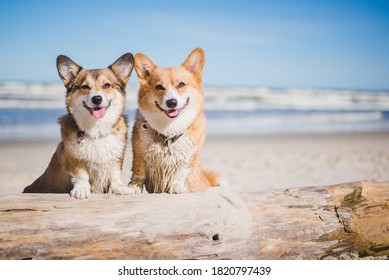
(171, 103)
(97, 100)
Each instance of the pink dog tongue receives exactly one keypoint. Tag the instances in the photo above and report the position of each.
(172, 113)
(98, 113)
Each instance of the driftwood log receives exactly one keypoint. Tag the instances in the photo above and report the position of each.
(342, 221)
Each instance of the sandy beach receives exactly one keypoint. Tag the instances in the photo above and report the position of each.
(245, 163)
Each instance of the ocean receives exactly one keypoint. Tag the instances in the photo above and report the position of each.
(29, 111)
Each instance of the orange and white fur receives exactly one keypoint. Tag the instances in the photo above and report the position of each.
(169, 129)
(94, 132)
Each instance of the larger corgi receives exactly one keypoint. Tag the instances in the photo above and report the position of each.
(169, 129)
(94, 132)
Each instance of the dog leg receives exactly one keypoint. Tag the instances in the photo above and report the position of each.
(81, 185)
(177, 184)
(136, 184)
(138, 177)
(117, 185)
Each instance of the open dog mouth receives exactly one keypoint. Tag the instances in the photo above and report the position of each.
(172, 113)
(97, 112)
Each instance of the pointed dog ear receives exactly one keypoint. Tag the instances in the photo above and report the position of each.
(122, 67)
(67, 69)
(143, 66)
(195, 62)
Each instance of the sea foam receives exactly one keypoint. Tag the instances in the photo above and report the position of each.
(31, 110)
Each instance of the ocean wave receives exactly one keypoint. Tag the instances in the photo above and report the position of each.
(300, 123)
(52, 96)
(31, 110)
(15, 95)
(297, 99)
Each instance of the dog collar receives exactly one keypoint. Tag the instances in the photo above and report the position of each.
(80, 137)
(170, 139)
(165, 139)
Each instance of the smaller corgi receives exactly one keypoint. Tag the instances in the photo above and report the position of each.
(94, 132)
(169, 129)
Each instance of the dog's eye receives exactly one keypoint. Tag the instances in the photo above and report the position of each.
(180, 85)
(159, 87)
(85, 87)
(106, 86)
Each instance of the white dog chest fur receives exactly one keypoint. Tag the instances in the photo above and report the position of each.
(167, 168)
(98, 150)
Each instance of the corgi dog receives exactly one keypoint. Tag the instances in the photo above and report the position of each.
(94, 132)
(169, 128)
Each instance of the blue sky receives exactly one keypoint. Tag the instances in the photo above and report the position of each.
(326, 44)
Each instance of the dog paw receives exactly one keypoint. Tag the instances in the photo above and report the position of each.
(177, 189)
(120, 190)
(80, 192)
(135, 189)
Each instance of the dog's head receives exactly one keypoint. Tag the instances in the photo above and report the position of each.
(95, 96)
(170, 98)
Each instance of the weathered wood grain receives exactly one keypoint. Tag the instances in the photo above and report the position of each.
(302, 223)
